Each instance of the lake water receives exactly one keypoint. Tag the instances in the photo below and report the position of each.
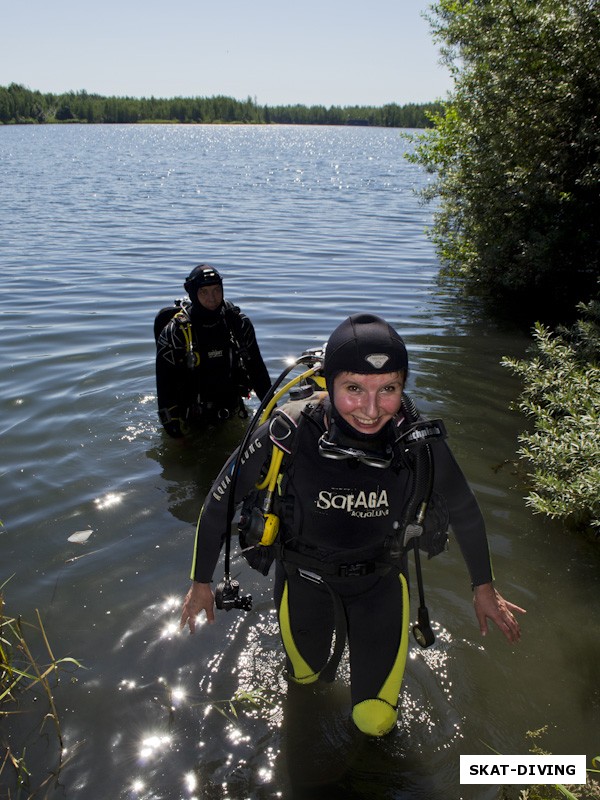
(99, 226)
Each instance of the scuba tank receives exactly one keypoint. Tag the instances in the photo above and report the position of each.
(227, 591)
(166, 314)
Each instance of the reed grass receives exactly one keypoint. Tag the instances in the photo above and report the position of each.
(554, 791)
(23, 671)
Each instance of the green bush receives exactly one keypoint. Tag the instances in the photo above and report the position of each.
(561, 396)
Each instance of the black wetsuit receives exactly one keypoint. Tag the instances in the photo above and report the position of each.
(339, 515)
(205, 379)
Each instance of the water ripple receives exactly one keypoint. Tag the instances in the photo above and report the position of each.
(100, 226)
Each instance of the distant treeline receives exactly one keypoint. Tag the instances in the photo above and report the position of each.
(20, 105)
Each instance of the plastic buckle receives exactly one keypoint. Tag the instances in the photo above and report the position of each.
(310, 576)
(165, 416)
(356, 570)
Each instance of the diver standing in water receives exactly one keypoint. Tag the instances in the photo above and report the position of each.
(343, 492)
(207, 357)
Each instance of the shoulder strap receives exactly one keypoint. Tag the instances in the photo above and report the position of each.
(234, 323)
(415, 438)
(233, 319)
(286, 420)
(231, 309)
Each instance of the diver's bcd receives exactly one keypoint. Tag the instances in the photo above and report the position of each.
(260, 552)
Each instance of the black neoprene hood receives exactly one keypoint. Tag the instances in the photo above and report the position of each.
(202, 275)
(365, 344)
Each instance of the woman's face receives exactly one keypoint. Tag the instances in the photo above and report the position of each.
(367, 402)
(210, 297)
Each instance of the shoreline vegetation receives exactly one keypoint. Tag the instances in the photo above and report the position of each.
(515, 160)
(29, 671)
(20, 105)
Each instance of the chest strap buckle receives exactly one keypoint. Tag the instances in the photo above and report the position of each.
(356, 570)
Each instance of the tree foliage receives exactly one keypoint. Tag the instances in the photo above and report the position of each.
(516, 151)
(21, 105)
(515, 159)
(562, 397)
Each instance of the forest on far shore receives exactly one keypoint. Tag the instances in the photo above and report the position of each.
(20, 105)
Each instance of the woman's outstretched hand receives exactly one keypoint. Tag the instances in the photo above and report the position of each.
(199, 597)
(489, 604)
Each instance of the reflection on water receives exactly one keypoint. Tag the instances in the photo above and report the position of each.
(101, 224)
(189, 466)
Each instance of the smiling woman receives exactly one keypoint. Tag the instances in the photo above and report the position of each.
(366, 367)
(368, 402)
(342, 562)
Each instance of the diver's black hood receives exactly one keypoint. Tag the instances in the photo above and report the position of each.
(365, 344)
(202, 275)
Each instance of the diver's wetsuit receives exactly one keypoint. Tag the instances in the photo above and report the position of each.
(340, 514)
(225, 365)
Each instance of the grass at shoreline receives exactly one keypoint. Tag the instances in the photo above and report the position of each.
(28, 667)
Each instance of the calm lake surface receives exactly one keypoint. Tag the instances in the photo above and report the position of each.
(99, 227)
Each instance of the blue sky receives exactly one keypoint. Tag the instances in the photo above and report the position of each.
(329, 52)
